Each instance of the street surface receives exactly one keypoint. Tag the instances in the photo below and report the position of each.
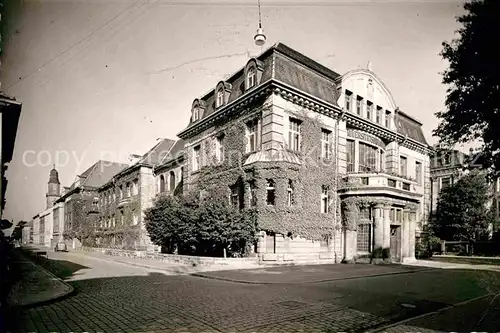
(115, 297)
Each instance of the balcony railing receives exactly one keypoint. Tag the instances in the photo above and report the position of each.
(124, 201)
(379, 181)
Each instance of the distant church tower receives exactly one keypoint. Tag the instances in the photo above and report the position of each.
(54, 187)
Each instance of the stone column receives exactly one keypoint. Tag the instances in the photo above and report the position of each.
(350, 245)
(387, 227)
(378, 228)
(405, 235)
(411, 241)
(261, 242)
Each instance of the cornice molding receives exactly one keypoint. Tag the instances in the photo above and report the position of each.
(307, 101)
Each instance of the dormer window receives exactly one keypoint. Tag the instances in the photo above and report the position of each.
(196, 114)
(220, 97)
(197, 110)
(251, 77)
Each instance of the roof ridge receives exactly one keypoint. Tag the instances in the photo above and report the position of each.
(168, 153)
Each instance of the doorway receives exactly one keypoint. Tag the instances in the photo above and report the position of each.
(396, 243)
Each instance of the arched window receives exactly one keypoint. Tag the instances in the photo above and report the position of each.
(162, 184)
(220, 97)
(172, 181)
(251, 77)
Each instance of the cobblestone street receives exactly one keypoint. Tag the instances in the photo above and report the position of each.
(113, 297)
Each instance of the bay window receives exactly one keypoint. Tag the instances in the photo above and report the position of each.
(350, 151)
(252, 135)
(294, 134)
(367, 157)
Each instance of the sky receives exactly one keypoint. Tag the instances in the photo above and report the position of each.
(105, 79)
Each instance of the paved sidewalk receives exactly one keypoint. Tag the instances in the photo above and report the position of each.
(448, 265)
(36, 285)
(164, 267)
(308, 273)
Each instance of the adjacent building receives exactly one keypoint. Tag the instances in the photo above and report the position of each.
(333, 167)
(10, 111)
(121, 201)
(79, 203)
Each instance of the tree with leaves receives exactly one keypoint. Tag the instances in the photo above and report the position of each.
(207, 227)
(462, 210)
(473, 78)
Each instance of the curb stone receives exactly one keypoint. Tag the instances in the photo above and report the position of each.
(70, 290)
(205, 276)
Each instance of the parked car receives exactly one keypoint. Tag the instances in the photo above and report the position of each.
(61, 246)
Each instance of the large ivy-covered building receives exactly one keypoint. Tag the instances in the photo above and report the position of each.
(333, 167)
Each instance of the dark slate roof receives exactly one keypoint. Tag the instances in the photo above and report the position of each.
(292, 68)
(157, 153)
(101, 172)
(175, 152)
(407, 125)
(306, 61)
(306, 80)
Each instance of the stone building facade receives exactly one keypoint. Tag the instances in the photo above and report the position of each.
(79, 202)
(333, 167)
(122, 200)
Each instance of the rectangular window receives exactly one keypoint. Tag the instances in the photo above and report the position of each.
(219, 148)
(391, 183)
(270, 192)
(403, 169)
(382, 161)
(359, 107)
(392, 215)
(379, 115)
(290, 193)
(364, 180)
(251, 78)
(388, 119)
(253, 194)
(363, 238)
(348, 100)
(365, 213)
(399, 215)
(326, 139)
(220, 97)
(252, 135)
(325, 199)
(234, 196)
(369, 110)
(294, 134)
(445, 182)
(367, 157)
(446, 159)
(418, 172)
(406, 186)
(196, 158)
(350, 153)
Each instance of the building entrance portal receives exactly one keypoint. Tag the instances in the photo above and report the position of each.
(396, 243)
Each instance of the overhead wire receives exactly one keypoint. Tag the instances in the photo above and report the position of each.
(80, 41)
(116, 29)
